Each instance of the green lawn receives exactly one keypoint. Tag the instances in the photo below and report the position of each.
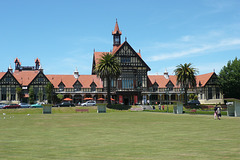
(117, 136)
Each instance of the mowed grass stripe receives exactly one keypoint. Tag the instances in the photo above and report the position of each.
(119, 135)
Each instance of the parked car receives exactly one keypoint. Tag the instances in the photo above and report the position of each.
(194, 102)
(25, 105)
(2, 105)
(37, 105)
(65, 104)
(89, 103)
(12, 106)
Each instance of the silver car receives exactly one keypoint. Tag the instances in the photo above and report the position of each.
(25, 105)
(89, 103)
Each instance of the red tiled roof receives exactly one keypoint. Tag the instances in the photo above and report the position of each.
(98, 56)
(86, 81)
(2, 74)
(116, 29)
(162, 81)
(25, 77)
(204, 78)
(69, 80)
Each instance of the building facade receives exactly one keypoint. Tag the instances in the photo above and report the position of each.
(134, 85)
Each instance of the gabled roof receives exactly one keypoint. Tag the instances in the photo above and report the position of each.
(69, 80)
(204, 78)
(98, 55)
(86, 81)
(25, 77)
(162, 81)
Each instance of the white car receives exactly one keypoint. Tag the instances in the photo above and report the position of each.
(25, 105)
(89, 103)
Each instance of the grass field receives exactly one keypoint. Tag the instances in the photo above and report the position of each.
(117, 136)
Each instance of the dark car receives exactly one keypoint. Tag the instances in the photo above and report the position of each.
(65, 104)
(194, 102)
(11, 106)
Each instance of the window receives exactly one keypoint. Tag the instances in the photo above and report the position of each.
(217, 93)
(13, 96)
(61, 88)
(93, 88)
(155, 88)
(127, 83)
(4, 96)
(125, 59)
(209, 93)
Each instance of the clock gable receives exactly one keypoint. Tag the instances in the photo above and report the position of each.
(127, 56)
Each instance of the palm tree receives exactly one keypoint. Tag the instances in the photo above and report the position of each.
(107, 69)
(186, 77)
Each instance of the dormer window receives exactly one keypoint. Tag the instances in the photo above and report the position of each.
(155, 87)
(61, 86)
(170, 85)
(77, 86)
(93, 86)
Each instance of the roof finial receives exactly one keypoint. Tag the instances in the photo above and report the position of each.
(125, 38)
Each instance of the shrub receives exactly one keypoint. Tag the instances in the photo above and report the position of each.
(119, 106)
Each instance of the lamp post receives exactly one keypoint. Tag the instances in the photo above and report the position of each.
(167, 92)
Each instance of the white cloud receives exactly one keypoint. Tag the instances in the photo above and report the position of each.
(225, 44)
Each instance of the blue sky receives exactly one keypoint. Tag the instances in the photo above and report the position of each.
(64, 33)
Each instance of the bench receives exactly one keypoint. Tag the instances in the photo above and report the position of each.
(81, 110)
(193, 111)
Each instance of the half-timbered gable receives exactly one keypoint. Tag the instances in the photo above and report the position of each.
(134, 69)
(8, 85)
(208, 88)
(77, 86)
(39, 84)
(61, 86)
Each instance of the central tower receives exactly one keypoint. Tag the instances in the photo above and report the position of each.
(116, 35)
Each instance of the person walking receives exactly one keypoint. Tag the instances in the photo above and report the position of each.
(215, 111)
(219, 112)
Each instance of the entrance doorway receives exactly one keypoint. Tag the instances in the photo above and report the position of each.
(126, 101)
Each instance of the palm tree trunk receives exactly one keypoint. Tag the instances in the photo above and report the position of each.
(185, 95)
(108, 91)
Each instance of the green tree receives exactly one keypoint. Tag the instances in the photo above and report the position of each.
(229, 79)
(186, 77)
(49, 92)
(107, 69)
(60, 97)
(40, 96)
(19, 93)
(31, 95)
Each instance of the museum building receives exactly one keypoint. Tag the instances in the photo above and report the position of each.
(134, 85)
